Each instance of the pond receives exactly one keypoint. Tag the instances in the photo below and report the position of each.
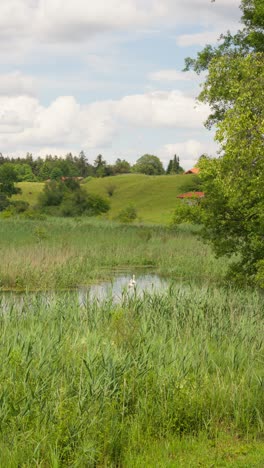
(114, 289)
(121, 285)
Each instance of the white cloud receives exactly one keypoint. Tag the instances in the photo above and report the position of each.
(172, 75)
(78, 20)
(25, 123)
(162, 109)
(201, 39)
(189, 151)
(16, 84)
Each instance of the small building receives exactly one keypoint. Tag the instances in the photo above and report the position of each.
(191, 198)
(194, 170)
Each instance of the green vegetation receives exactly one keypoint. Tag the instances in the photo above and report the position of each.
(149, 164)
(30, 192)
(232, 211)
(173, 378)
(53, 167)
(174, 166)
(128, 215)
(104, 385)
(59, 253)
(8, 178)
(154, 197)
(68, 198)
(224, 450)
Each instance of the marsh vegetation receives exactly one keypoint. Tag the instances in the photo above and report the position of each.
(100, 384)
(60, 253)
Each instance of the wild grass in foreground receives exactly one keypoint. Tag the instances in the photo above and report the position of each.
(112, 385)
(64, 253)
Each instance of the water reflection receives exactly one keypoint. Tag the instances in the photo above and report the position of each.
(119, 286)
(114, 290)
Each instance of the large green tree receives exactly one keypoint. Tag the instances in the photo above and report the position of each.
(8, 177)
(149, 164)
(232, 212)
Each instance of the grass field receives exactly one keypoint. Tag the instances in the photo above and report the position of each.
(173, 379)
(154, 197)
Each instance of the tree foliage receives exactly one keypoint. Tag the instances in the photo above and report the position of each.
(174, 166)
(149, 164)
(234, 183)
(8, 177)
(128, 214)
(70, 199)
(232, 211)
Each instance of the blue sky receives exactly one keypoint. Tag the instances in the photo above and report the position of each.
(105, 77)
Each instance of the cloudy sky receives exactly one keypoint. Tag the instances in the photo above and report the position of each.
(104, 76)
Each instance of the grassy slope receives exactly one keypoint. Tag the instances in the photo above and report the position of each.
(30, 191)
(153, 196)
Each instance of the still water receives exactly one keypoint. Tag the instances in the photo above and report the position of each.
(120, 285)
(114, 289)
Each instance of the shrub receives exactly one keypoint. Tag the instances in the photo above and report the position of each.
(6, 214)
(52, 194)
(128, 214)
(3, 202)
(110, 189)
(187, 213)
(83, 203)
(69, 199)
(33, 214)
(19, 206)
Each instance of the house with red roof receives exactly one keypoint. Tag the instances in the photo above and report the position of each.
(191, 198)
(194, 170)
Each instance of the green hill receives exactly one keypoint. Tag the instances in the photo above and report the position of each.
(154, 197)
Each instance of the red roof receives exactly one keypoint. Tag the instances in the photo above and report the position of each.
(194, 170)
(191, 195)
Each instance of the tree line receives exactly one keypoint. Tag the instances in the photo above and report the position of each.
(53, 167)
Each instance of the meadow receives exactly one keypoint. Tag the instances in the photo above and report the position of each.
(169, 379)
(153, 197)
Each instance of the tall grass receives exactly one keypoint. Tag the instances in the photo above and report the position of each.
(63, 253)
(92, 385)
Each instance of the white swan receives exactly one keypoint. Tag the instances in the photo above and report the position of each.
(132, 282)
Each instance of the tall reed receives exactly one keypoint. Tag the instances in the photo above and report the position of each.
(62, 253)
(84, 385)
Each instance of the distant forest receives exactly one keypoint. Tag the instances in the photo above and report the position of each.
(54, 167)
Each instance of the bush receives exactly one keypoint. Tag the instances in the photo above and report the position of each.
(128, 214)
(52, 194)
(6, 214)
(82, 203)
(19, 206)
(69, 199)
(110, 189)
(3, 202)
(187, 213)
(33, 214)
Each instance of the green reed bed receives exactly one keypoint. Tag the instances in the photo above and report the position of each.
(63, 253)
(101, 384)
